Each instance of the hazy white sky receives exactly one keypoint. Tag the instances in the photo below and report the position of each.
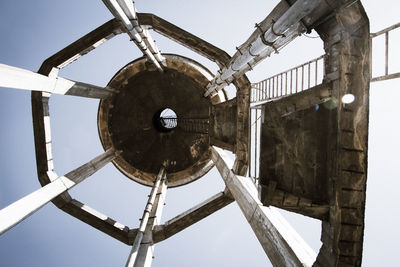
(34, 30)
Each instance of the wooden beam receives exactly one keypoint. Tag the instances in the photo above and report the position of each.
(81, 47)
(17, 78)
(100, 221)
(283, 246)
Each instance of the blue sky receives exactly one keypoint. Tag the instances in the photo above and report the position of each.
(34, 30)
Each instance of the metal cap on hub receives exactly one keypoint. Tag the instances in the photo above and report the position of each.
(158, 119)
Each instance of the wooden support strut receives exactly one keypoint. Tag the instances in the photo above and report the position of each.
(21, 209)
(18, 78)
(282, 244)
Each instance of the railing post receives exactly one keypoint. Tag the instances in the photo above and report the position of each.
(387, 53)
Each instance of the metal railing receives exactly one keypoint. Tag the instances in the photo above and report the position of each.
(199, 126)
(387, 75)
(189, 125)
(311, 73)
(295, 80)
(254, 142)
(169, 122)
(289, 82)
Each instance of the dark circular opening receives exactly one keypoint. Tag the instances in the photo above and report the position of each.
(165, 120)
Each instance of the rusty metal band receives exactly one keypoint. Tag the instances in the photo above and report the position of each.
(251, 53)
(233, 68)
(263, 39)
(271, 44)
(216, 82)
(273, 31)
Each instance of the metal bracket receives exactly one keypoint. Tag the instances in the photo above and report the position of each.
(240, 52)
(263, 38)
(273, 31)
(271, 44)
(233, 68)
(251, 53)
(258, 27)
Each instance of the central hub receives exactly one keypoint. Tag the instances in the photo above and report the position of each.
(141, 120)
(165, 120)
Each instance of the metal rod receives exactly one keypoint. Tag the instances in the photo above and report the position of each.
(370, 59)
(386, 77)
(309, 75)
(286, 84)
(255, 146)
(388, 29)
(316, 72)
(264, 90)
(273, 86)
(261, 90)
(387, 53)
(249, 141)
(269, 88)
(291, 81)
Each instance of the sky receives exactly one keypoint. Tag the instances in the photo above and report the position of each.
(34, 30)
